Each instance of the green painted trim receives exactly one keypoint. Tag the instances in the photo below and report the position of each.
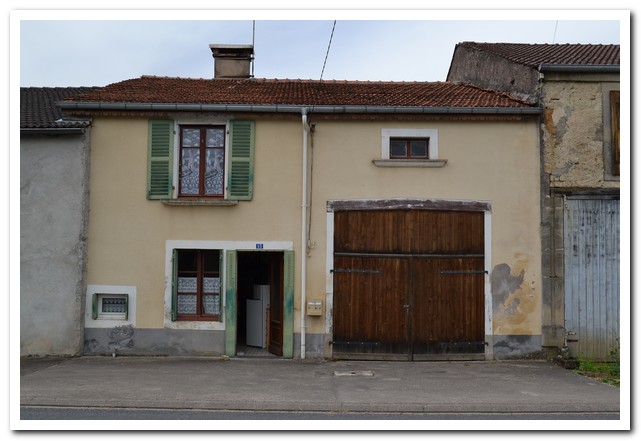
(241, 163)
(174, 285)
(159, 159)
(230, 302)
(288, 304)
(94, 306)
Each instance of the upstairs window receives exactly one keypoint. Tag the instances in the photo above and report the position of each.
(409, 148)
(192, 164)
(202, 161)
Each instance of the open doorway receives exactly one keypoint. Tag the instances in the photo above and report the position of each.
(259, 297)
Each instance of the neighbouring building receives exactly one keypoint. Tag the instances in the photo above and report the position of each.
(578, 88)
(303, 218)
(54, 166)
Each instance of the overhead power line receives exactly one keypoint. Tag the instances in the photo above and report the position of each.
(328, 47)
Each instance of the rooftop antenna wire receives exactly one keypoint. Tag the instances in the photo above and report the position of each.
(328, 47)
(253, 45)
(311, 166)
(555, 26)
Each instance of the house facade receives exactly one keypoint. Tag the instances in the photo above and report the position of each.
(578, 87)
(312, 219)
(54, 166)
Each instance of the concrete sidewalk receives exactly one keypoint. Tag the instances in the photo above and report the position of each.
(312, 385)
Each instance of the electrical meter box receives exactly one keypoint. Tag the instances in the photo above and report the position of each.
(315, 307)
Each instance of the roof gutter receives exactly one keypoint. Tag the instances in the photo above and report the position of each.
(278, 108)
(580, 68)
(53, 131)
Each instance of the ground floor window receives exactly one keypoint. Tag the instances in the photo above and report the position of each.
(196, 288)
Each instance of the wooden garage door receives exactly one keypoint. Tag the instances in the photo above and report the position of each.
(370, 315)
(447, 307)
(408, 284)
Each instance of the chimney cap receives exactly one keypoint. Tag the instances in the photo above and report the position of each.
(231, 50)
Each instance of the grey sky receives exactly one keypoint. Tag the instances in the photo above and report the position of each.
(84, 52)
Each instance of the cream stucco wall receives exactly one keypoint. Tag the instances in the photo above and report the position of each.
(496, 162)
(127, 232)
(492, 161)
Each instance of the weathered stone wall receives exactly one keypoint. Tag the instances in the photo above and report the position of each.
(573, 135)
(552, 244)
(576, 141)
(492, 72)
(53, 205)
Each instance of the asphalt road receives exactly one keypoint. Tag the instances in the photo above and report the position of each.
(156, 393)
(81, 413)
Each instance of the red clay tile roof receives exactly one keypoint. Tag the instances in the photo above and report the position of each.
(38, 108)
(534, 55)
(151, 89)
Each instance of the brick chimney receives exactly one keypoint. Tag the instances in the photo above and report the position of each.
(232, 60)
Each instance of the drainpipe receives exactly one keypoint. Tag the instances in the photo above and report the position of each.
(303, 241)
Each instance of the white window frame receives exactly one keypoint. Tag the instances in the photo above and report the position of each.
(433, 160)
(107, 320)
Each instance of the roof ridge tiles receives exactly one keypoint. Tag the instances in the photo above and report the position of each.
(299, 92)
(276, 80)
(535, 54)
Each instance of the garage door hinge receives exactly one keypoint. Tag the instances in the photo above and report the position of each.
(463, 272)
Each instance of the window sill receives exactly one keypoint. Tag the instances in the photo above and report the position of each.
(198, 202)
(428, 163)
(215, 319)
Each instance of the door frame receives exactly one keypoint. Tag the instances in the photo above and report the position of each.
(271, 265)
(411, 204)
(227, 324)
(230, 288)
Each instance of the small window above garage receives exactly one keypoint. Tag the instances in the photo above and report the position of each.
(409, 148)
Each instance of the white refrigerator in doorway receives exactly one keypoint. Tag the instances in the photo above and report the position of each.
(257, 308)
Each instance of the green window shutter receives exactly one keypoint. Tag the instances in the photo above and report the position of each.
(288, 304)
(94, 306)
(221, 292)
(159, 163)
(241, 161)
(230, 303)
(126, 306)
(174, 285)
